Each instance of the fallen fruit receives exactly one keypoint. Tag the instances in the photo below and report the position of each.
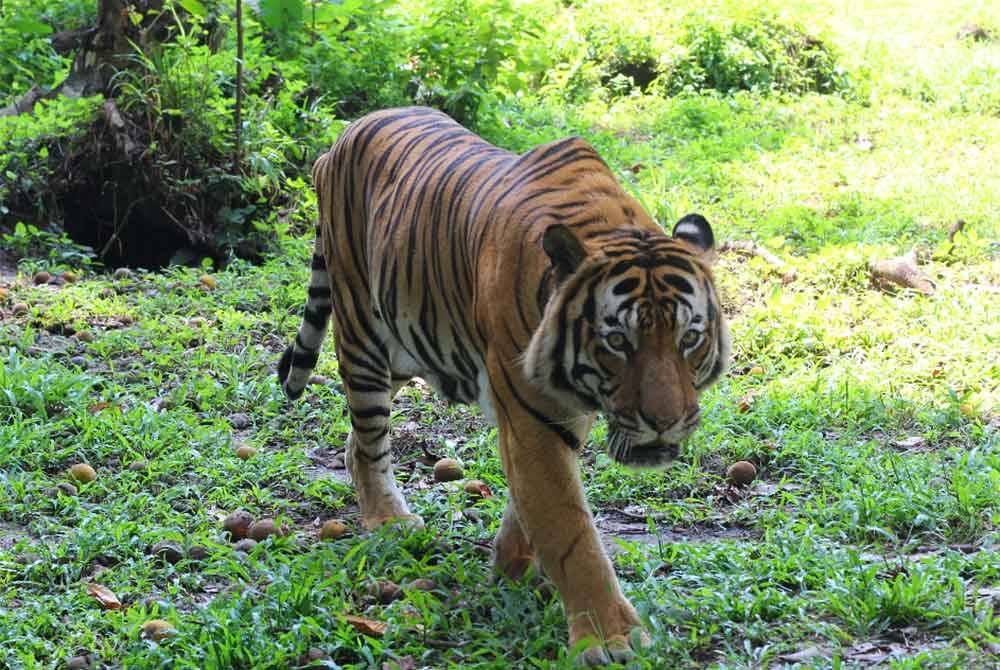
(245, 545)
(138, 466)
(756, 371)
(420, 584)
(85, 336)
(168, 551)
(477, 489)
(69, 276)
(208, 281)
(20, 308)
(198, 553)
(447, 470)
(83, 473)
(122, 273)
(41, 277)
(67, 488)
(264, 529)
(157, 629)
(741, 473)
(238, 524)
(385, 591)
(81, 662)
(332, 529)
(244, 452)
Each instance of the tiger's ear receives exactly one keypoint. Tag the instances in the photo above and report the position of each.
(694, 229)
(563, 249)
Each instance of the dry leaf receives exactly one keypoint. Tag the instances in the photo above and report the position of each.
(98, 406)
(367, 626)
(104, 596)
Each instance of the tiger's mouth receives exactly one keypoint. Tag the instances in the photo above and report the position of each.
(624, 449)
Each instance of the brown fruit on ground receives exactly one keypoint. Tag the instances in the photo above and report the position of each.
(332, 529)
(238, 524)
(447, 470)
(84, 336)
(41, 277)
(122, 273)
(244, 452)
(81, 662)
(138, 466)
(208, 281)
(69, 276)
(741, 473)
(82, 472)
(420, 584)
(66, 488)
(245, 545)
(198, 553)
(264, 529)
(20, 308)
(168, 551)
(477, 489)
(157, 629)
(386, 591)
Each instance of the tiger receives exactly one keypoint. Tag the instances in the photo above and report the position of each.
(532, 285)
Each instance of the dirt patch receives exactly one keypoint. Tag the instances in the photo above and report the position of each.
(11, 534)
(626, 525)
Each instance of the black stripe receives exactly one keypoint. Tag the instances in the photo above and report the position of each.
(316, 292)
(370, 412)
(304, 359)
(564, 435)
(318, 262)
(317, 316)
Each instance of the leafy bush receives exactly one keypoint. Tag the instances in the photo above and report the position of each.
(26, 56)
(757, 53)
(33, 146)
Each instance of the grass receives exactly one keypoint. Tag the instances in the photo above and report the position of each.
(870, 535)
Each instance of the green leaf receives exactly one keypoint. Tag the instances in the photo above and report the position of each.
(28, 26)
(281, 16)
(193, 7)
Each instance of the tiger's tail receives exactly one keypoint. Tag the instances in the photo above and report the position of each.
(297, 363)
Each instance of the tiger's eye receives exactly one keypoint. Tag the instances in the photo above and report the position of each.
(690, 338)
(616, 341)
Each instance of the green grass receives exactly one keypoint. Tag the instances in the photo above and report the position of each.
(873, 418)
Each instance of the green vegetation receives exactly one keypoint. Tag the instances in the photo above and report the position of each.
(833, 136)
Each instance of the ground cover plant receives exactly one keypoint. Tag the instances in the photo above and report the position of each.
(869, 536)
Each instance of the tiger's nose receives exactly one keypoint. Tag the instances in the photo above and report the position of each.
(687, 423)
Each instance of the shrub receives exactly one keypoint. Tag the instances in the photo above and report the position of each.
(757, 53)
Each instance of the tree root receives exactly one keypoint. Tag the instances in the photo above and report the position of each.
(901, 271)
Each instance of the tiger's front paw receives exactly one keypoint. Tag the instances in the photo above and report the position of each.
(615, 649)
(613, 637)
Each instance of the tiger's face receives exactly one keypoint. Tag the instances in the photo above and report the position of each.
(636, 332)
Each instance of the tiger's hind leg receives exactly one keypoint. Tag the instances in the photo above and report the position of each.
(369, 391)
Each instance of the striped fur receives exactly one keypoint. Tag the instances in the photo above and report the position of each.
(530, 284)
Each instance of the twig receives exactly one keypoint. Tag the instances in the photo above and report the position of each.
(752, 249)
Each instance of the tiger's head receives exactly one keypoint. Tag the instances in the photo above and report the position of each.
(634, 330)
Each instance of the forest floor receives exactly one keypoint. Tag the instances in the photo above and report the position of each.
(870, 537)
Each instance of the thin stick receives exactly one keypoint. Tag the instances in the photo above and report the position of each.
(750, 249)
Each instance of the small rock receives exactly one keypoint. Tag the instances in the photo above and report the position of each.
(42, 277)
(741, 473)
(81, 662)
(79, 361)
(85, 336)
(67, 488)
(238, 524)
(472, 514)
(239, 421)
(338, 462)
(447, 470)
(123, 273)
(245, 545)
(332, 529)
(106, 293)
(310, 657)
(168, 551)
(20, 308)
